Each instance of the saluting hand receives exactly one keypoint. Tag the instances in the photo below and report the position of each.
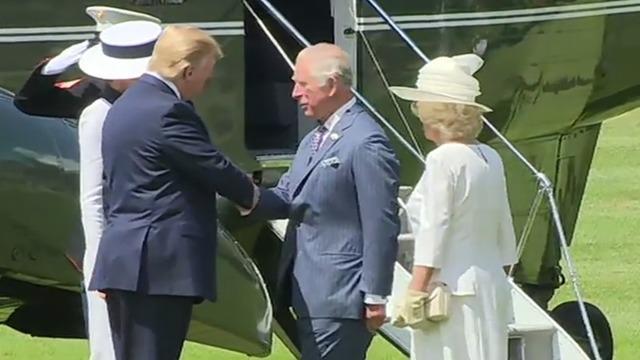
(68, 57)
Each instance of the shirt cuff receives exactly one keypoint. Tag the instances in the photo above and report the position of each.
(374, 299)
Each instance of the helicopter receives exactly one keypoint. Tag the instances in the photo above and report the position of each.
(553, 73)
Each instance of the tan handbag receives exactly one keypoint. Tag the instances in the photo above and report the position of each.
(421, 310)
(438, 303)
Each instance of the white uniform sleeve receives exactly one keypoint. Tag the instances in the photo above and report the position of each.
(67, 58)
(436, 208)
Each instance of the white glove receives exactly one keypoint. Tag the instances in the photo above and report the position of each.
(65, 59)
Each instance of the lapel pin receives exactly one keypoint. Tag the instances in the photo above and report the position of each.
(334, 136)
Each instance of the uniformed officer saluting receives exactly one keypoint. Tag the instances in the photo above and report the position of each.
(43, 95)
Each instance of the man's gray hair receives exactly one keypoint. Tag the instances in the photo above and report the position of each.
(327, 61)
(333, 66)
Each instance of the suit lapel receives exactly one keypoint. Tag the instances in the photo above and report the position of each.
(332, 138)
(299, 163)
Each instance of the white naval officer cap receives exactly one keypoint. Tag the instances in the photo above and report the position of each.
(106, 16)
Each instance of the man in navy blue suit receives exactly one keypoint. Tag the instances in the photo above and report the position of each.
(161, 175)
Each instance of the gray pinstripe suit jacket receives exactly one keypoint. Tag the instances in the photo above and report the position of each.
(341, 240)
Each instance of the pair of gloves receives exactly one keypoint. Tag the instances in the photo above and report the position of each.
(410, 311)
(421, 310)
(67, 58)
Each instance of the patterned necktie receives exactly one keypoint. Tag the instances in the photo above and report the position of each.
(317, 139)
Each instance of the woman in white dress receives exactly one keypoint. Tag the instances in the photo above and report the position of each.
(460, 216)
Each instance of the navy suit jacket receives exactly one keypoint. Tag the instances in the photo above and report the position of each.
(341, 240)
(161, 176)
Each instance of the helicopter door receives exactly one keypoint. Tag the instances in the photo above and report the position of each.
(274, 125)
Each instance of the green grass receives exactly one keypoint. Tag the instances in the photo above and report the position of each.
(605, 250)
(17, 346)
(606, 245)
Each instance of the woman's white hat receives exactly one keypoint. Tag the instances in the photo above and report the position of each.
(124, 51)
(446, 79)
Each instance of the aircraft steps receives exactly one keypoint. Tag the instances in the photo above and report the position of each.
(533, 335)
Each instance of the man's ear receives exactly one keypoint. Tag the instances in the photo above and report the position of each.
(187, 72)
(332, 84)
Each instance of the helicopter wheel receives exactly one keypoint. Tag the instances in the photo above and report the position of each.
(568, 316)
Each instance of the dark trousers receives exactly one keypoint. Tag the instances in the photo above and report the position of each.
(333, 339)
(85, 309)
(148, 327)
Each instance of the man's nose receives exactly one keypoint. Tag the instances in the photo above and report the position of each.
(296, 93)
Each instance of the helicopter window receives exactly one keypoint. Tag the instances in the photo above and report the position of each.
(273, 122)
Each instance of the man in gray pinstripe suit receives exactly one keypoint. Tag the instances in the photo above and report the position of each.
(340, 197)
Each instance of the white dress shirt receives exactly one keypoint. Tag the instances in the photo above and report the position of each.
(331, 122)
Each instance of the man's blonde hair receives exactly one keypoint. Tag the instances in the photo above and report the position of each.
(455, 122)
(180, 47)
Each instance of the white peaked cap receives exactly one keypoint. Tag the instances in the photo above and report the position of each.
(448, 80)
(106, 16)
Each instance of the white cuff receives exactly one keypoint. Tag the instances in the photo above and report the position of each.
(374, 299)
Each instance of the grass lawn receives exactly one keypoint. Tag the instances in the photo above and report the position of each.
(606, 245)
(16, 346)
(606, 251)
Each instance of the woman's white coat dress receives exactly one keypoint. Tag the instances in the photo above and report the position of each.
(460, 216)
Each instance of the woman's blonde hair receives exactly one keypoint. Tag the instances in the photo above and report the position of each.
(458, 122)
(180, 47)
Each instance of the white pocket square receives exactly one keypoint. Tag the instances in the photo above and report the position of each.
(332, 161)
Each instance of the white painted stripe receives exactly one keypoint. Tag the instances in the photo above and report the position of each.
(91, 29)
(44, 38)
(211, 25)
(500, 21)
(225, 32)
(501, 13)
(48, 30)
(78, 37)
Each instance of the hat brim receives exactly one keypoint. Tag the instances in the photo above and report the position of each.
(413, 94)
(98, 65)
